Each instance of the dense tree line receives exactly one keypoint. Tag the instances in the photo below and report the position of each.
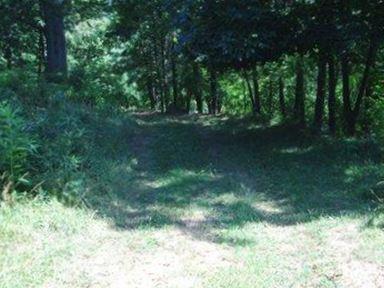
(309, 62)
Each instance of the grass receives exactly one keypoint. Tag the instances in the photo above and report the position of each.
(204, 202)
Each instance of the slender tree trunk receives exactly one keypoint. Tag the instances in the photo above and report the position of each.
(8, 56)
(332, 83)
(369, 65)
(7, 50)
(197, 88)
(367, 105)
(270, 99)
(175, 87)
(151, 93)
(158, 70)
(188, 102)
(214, 90)
(347, 109)
(199, 103)
(351, 114)
(320, 98)
(40, 54)
(256, 91)
(164, 77)
(299, 109)
(253, 90)
(282, 97)
(56, 64)
(219, 101)
(250, 92)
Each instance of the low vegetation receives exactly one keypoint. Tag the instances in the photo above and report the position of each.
(200, 202)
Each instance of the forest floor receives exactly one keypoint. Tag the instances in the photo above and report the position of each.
(205, 202)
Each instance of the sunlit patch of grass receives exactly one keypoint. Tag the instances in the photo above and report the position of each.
(36, 237)
(296, 150)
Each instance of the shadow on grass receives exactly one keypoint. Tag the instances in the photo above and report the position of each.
(154, 170)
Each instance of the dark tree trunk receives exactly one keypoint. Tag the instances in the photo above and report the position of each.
(369, 65)
(253, 90)
(367, 105)
(351, 114)
(347, 109)
(8, 56)
(197, 88)
(40, 54)
(151, 94)
(219, 101)
(214, 91)
(256, 91)
(209, 107)
(332, 83)
(188, 101)
(299, 109)
(199, 103)
(320, 97)
(158, 70)
(282, 97)
(175, 86)
(7, 51)
(250, 92)
(164, 78)
(56, 62)
(270, 99)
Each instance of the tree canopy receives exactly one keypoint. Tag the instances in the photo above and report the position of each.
(286, 56)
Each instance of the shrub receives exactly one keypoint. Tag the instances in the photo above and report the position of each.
(64, 138)
(16, 145)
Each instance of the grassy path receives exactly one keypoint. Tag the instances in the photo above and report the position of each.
(204, 202)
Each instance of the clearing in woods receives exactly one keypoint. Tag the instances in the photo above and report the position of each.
(204, 202)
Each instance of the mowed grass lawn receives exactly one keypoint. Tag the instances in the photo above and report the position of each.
(204, 202)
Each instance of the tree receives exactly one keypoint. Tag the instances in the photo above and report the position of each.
(53, 15)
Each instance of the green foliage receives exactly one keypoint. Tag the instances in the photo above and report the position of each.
(16, 145)
(64, 140)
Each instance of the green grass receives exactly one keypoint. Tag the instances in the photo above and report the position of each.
(204, 202)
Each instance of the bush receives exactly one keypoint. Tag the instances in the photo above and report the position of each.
(16, 146)
(64, 137)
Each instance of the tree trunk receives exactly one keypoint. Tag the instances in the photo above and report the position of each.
(8, 56)
(351, 114)
(369, 64)
(282, 97)
(40, 55)
(347, 109)
(188, 102)
(175, 87)
(151, 93)
(56, 62)
(197, 88)
(256, 91)
(250, 92)
(157, 72)
(253, 90)
(270, 99)
(332, 83)
(164, 78)
(299, 109)
(214, 90)
(367, 105)
(219, 101)
(320, 97)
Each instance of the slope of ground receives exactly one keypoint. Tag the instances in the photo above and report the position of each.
(204, 202)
